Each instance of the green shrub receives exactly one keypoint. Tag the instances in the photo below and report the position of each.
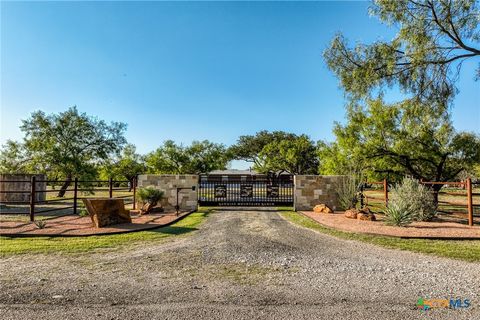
(398, 213)
(40, 224)
(348, 191)
(83, 213)
(419, 198)
(149, 196)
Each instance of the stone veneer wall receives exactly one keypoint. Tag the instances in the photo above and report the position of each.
(168, 183)
(311, 190)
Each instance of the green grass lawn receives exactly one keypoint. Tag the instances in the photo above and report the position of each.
(468, 250)
(10, 246)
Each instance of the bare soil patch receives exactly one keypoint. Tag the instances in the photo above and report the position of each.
(82, 226)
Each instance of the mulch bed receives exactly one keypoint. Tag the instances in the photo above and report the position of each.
(82, 226)
(423, 230)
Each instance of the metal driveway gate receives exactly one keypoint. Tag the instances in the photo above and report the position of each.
(245, 190)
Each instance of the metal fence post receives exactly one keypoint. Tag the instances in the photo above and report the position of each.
(110, 188)
(469, 202)
(385, 190)
(75, 189)
(32, 198)
(134, 181)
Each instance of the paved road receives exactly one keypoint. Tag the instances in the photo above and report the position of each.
(239, 265)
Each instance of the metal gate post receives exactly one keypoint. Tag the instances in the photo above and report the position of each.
(32, 198)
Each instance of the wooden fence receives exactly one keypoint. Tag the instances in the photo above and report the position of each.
(376, 194)
(71, 197)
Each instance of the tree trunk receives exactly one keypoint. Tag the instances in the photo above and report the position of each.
(436, 189)
(131, 181)
(66, 184)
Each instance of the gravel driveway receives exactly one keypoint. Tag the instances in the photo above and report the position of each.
(239, 264)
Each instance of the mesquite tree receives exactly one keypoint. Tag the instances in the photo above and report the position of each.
(423, 59)
(66, 145)
(413, 136)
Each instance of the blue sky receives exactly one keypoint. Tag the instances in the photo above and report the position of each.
(188, 70)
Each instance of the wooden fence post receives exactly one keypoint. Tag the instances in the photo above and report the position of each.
(110, 188)
(32, 198)
(469, 202)
(385, 191)
(134, 181)
(75, 189)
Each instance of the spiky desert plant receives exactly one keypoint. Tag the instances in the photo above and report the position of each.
(398, 213)
(40, 224)
(419, 198)
(149, 196)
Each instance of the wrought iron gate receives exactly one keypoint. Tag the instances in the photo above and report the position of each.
(245, 190)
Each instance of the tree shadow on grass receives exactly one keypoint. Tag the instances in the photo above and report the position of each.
(173, 230)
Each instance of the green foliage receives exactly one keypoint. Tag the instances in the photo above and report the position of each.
(348, 190)
(398, 213)
(414, 136)
(83, 213)
(249, 147)
(65, 145)
(149, 195)
(416, 197)
(410, 201)
(14, 159)
(400, 139)
(295, 156)
(199, 157)
(277, 152)
(125, 167)
(424, 57)
(40, 224)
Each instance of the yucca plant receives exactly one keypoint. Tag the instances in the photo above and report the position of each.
(398, 214)
(418, 197)
(40, 224)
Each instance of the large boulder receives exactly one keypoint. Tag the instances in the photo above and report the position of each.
(351, 213)
(322, 208)
(107, 211)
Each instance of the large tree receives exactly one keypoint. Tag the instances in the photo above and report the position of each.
(127, 166)
(414, 135)
(294, 156)
(249, 147)
(393, 140)
(65, 145)
(199, 157)
(424, 57)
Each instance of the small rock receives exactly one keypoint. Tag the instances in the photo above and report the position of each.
(351, 213)
(366, 215)
(322, 208)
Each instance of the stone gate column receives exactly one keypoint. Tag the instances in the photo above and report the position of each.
(311, 190)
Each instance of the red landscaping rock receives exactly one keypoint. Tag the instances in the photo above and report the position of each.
(322, 208)
(107, 211)
(351, 213)
(366, 215)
